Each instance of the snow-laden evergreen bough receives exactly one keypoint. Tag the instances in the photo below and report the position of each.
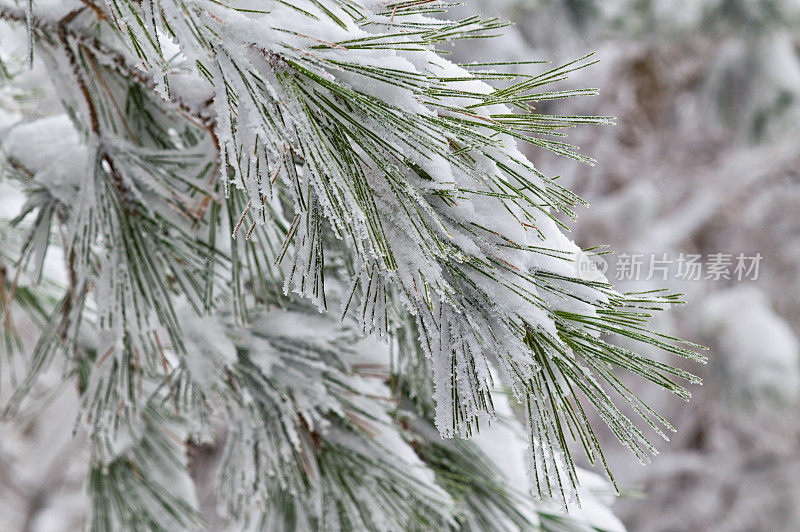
(241, 191)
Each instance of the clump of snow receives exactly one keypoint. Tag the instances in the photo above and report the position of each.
(209, 349)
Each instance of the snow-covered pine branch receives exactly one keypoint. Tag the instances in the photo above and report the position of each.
(219, 161)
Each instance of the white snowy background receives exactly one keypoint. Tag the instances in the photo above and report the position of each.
(704, 160)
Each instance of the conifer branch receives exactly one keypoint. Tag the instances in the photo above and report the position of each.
(287, 171)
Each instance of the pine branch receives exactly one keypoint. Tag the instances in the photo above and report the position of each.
(68, 32)
(348, 163)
